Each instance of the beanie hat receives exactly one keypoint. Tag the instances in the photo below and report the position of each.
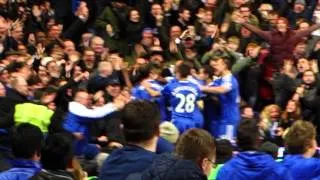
(302, 2)
(169, 132)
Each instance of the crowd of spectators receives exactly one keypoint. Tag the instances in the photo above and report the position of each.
(159, 89)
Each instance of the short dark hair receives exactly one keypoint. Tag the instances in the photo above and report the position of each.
(27, 140)
(57, 152)
(184, 70)
(208, 70)
(224, 151)
(195, 145)
(15, 66)
(140, 121)
(247, 134)
(300, 136)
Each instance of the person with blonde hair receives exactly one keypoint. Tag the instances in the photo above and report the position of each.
(270, 121)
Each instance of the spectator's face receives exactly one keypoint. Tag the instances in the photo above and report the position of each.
(300, 49)
(69, 47)
(211, 29)
(208, 165)
(2, 90)
(211, 4)
(97, 45)
(22, 87)
(303, 26)
(55, 32)
(105, 69)
(248, 113)
(175, 32)
(245, 32)
(76, 71)
(26, 71)
(272, 18)
(298, 8)
(274, 114)
(17, 33)
(140, 62)
(83, 98)
(282, 26)
(134, 16)
(308, 78)
(185, 15)
(303, 65)
(22, 48)
(264, 10)
(147, 38)
(89, 56)
(114, 90)
(291, 107)
(86, 37)
(208, 17)
(158, 59)
(3, 2)
(48, 100)
(245, 11)
(156, 10)
(233, 46)
(53, 69)
(40, 37)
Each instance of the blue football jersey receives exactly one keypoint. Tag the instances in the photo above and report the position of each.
(139, 92)
(182, 97)
(229, 101)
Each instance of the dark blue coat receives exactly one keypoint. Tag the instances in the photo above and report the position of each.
(303, 168)
(253, 165)
(126, 161)
(167, 166)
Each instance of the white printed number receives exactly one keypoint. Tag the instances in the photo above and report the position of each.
(186, 103)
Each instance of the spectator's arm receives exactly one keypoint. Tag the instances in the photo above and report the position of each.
(82, 111)
(303, 33)
(264, 34)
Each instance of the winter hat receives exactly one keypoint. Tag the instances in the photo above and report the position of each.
(169, 132)
(302, 2)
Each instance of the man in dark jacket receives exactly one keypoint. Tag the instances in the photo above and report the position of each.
(141, 131)
(194, 159)
(249, 163)
(26, 146)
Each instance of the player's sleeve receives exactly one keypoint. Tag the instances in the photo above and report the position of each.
(227, 83)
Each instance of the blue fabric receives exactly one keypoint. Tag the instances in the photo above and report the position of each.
(164, 146)
(126, 161)
(139, 92)
(229, 106)
(22, 169)
(73, 124)
(182, 97)
(252, 166)
(303, 168)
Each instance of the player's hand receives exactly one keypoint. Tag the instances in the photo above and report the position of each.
(103, 139)
(146, 84)
(115, 145)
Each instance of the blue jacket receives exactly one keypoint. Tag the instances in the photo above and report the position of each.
(78, 121)
(22, 169)
(126, 161)
(303, 168)
(253, 165)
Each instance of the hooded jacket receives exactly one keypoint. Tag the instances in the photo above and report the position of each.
(303, 168)
(253, 165)
(22, 169)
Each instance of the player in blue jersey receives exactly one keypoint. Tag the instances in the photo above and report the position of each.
(182, 96)
(149, 88)
(227, 90)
